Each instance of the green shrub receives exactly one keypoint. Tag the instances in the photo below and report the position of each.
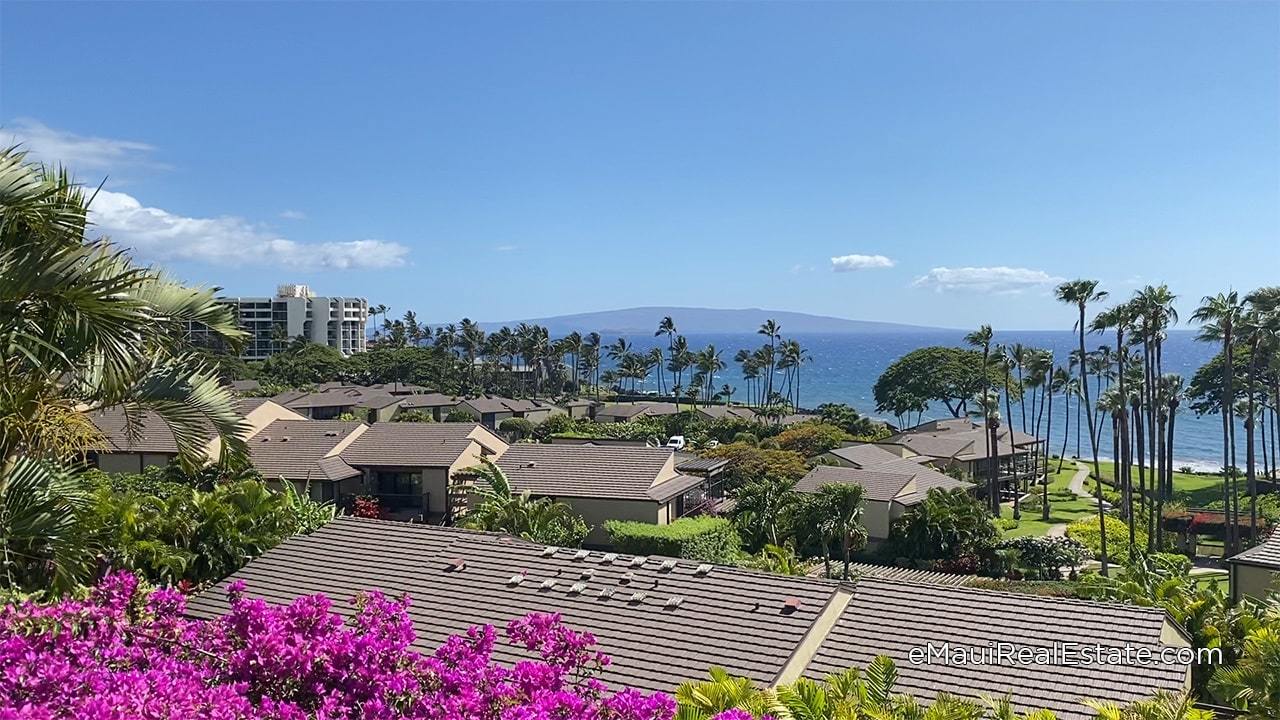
(704, 538)
(811, 438)
(1006, 523)
(1041, 558)
(459, 415)
(1085, 531)
(414, 416)
(520, 428)
(746, 438)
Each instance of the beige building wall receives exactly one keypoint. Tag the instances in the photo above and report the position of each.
(595, 511)
(876, 515)
(1253, 581)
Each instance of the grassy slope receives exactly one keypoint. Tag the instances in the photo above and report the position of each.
(1191, 489)
(1064, 506)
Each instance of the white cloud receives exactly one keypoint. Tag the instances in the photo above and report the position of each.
(156, 234)
(985, 279)
(293, 215)
(506, 248)
(849, 263)
(77, 152)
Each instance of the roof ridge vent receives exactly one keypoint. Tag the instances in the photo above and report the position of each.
(673, 602)
(703, 569)
(791, 605)
(456, 565)
(605, 593)
(331, 433)
(587, 574)
(581, 554)
(638, 561)
(515, 579)
(549, 550)
(626, 577)
(667, 566)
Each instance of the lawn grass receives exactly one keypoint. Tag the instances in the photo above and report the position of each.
(1190, 489)
(1064, 506)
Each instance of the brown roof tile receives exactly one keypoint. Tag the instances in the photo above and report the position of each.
(296, 449)
(416, 444)
(888, 617)
(727, 617)
(599, 471)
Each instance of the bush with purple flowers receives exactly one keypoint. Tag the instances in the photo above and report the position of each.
(122, 653)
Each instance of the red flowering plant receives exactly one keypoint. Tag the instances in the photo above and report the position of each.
(121, 653)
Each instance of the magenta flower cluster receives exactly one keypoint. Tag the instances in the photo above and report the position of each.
(121, 653)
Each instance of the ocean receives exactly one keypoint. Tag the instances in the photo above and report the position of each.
(845, 367)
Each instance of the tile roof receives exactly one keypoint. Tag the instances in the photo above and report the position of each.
(496, 404)
(344, 396)
(870, 457)
(297, 450)
(433, 399)
(630, 410)
(889, 617)
(722, 411)
(652, 646)
(876, 485)
(956, 438)
(599, 471)
(686, 463)
(686, 617)
(416, 444)
(153, 436)
(889, 572)
(1266, 555)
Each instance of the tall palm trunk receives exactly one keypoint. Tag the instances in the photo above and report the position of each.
(1158, 520)
(1140, 436)
(1251, 469)
(1013, 459)
(1227, 469)
(1066, 427)
(1048, 433)
(1097, 472)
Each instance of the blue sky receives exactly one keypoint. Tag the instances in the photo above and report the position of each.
(504, 161)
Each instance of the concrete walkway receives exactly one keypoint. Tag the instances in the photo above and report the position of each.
(1077, 481)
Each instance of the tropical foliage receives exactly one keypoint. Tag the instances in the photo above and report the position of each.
(501, 509)
(948, 525)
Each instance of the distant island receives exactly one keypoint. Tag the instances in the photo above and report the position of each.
(703, 320)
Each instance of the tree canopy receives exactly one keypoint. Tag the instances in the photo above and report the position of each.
(951, 376)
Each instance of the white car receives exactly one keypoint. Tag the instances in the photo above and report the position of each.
(676, 442)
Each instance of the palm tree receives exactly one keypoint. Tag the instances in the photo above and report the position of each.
(668, 326)
(501, 509)
(981, 338)
(726, 392)
(762, 506)
(1220, 314)
(1260, 331)
(773, 331)
(1007, 361)
(1064, 383)
(1120, 318)
(1080, 293)
(83, 329)
(844, 505)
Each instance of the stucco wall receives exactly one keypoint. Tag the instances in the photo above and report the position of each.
(1251, 581)
(595, 511)
(875, 518)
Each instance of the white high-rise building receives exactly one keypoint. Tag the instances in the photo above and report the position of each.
(272, 322)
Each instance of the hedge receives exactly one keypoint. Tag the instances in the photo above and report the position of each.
(1085, 530)
(704, 538)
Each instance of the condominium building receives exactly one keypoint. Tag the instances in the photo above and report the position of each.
(296, 312)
